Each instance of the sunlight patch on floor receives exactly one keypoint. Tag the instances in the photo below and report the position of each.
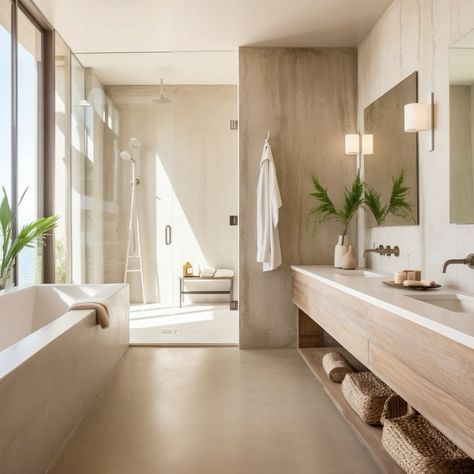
(192, 324)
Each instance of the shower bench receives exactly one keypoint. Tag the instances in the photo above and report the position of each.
(184, 279)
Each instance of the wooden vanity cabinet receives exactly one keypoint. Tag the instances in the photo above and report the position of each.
(430, 371)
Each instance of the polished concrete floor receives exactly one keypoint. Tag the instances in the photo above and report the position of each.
(192, 324)
(212, 410)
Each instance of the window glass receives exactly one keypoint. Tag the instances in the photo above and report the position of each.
(29, 142)
(5, 96)
(62, 159)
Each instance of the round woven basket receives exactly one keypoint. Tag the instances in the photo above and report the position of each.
(336, 366)
(366, 394)
(419, 448)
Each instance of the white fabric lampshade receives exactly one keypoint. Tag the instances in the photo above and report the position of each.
(352, 144)
(367, 144)
(417, 117)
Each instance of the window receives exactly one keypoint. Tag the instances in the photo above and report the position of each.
(30, 41)
(5, 97)
(62, 70)
(21, 126)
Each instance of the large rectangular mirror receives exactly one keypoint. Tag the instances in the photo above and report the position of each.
(394, 150)
(461, 130)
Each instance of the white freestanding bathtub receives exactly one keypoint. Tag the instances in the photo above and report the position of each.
(53, 362)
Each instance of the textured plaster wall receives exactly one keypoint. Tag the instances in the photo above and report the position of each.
(307, 98)
(415, 35)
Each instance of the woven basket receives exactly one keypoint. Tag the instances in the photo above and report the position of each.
(419, 448)
(366, 394)
(336, 366)
(395, 407)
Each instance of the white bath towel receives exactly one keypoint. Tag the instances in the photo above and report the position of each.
(100, 308)
(268, 205)
(207, 272)
(224, 273)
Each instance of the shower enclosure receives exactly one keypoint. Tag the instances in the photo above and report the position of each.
(186, 177)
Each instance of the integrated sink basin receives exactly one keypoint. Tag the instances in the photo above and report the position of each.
(359, 273)
(455, 302)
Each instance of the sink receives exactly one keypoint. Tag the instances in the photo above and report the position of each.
(359, 273)
(455, 302)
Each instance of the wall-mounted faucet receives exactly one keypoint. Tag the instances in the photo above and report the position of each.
(469, 260)
(389, 251)
(381, 250)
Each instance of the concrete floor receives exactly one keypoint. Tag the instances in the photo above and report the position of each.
(212, 410)
(191, 324)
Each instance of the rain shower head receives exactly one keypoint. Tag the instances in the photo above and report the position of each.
(162, 99)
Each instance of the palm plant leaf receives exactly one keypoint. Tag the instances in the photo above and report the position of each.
(353, 199)
(374, 204)
(398, 204)
(29, 233)
(5, 222)
(325, 209)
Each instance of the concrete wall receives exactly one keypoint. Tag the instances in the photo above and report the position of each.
(415, 35)
(307, 98)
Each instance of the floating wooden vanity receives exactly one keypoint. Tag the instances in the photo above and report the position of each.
(432, 371)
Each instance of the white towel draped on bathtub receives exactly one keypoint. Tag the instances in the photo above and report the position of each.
(268, 205)
(100, 307)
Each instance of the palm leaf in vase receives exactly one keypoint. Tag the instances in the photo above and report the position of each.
(326, 210)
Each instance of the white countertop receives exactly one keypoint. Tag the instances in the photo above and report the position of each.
(454, 325)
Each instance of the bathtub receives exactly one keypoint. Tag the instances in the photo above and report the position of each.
(53, 362)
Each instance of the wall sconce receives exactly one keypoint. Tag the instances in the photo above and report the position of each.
(419, 117)
(356, 143)
(352, 144)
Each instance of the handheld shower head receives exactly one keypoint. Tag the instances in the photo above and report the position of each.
(126, 156)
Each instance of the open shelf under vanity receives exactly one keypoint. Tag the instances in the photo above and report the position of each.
(370, 436)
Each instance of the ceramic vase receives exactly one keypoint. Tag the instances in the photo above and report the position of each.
(348, 260)
(339, 250)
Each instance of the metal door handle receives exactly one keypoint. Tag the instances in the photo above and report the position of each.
(168, 235)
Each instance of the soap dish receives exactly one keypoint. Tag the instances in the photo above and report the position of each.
(416, 288)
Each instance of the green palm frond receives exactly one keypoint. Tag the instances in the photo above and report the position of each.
(27, 236)
(325, 210)
(374, 204)
(398, 204)
(353, 199)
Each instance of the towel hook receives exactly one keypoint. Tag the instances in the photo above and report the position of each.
(268, 136)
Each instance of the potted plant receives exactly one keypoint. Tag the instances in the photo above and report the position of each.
(325, 210)
(28, 234)
(397, 205)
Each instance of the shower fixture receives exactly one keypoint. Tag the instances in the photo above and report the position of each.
(126, 156)
(162, 99)
(134, 250)
(135, 143)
